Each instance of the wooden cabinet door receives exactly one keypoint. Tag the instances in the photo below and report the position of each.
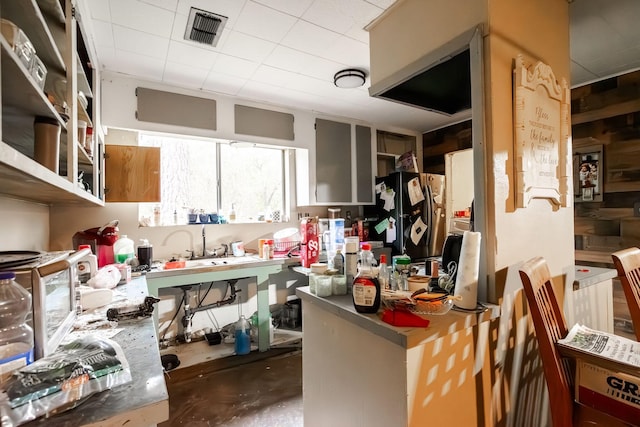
(132, 174)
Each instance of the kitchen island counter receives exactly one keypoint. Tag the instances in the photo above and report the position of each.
(142, 402)
(359, 370)
(407, 337)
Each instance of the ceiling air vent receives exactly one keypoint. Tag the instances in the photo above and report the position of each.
(204, 27)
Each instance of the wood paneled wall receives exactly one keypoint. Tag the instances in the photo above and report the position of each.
(608, 113)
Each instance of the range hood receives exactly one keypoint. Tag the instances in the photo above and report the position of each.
(439, 82)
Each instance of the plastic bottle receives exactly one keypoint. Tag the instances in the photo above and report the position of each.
(232, 213)
(243, 336)
(350, 260)
(16, 337)
(383, 273)
(366, 287)
(123, 249)
(145, 252)
(87, 266)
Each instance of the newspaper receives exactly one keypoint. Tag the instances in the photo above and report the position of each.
(604, 344)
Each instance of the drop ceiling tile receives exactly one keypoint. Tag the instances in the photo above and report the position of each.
(290, 7)
(265, 23)
(223, 83)
(170, 5)
(137, 65)
(580, 75)
(383, 4)
(102, 33)
(273, 76)
(582, 43)
(623, 17)
(180, 74)
(191, 54)
(332, 15)
(99, 9)
(108, 60)
(615, 62)
(350, 52)
(284, 97)
(142, 17)
(358, 34)
(144, 44)
(299, 62)
(238, 67)
(313, 86)
(247, 47)
(286, 59)
(310, 38)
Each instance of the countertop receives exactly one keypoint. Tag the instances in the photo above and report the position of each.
(142, 402)
(406, 337)
(586, 276)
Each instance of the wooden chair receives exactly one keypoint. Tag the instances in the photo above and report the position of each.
(559, 363)
(627, 262)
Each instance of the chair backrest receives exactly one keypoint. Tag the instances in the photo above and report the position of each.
(550, 326)
(627, 262)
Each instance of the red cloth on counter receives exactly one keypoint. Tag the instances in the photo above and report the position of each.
(400, 317)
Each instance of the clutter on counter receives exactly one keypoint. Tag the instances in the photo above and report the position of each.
(108, 340)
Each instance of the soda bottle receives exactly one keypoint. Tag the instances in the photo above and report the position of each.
(366, 287)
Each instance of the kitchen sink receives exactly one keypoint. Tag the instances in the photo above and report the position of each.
(207, 262)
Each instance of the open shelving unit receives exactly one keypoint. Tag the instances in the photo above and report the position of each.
(54, 36)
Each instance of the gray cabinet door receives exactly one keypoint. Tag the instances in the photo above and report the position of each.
(364, 173)
(333, 162)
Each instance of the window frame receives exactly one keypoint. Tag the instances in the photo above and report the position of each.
(285, 176)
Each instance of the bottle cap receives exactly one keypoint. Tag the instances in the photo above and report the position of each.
(383, 258)
(80, 247)
(366, 247)
(7, 275)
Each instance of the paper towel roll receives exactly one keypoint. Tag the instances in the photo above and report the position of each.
(468, 270)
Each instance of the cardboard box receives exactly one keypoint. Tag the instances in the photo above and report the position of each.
(608, 391)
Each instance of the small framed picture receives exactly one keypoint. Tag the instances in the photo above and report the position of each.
(587, 174)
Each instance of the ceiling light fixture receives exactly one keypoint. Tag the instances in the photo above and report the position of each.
(349, 78)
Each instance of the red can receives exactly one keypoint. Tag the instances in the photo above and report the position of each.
(310, 244)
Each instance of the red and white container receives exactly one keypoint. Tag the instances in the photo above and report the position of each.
(310, 243)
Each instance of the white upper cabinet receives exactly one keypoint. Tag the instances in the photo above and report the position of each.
(40, 67)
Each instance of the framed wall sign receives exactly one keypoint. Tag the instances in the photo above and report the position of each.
(587, 174)
(541, 133)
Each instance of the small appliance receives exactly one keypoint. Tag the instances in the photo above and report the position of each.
(101, 240)
(51, 278)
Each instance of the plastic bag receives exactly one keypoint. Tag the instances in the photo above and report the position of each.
(107, 277)
(63, 380)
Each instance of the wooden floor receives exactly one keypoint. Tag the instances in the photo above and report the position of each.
(258, 389)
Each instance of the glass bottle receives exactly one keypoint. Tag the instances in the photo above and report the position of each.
(366, 287)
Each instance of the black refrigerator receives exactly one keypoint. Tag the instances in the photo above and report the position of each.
(408, 215)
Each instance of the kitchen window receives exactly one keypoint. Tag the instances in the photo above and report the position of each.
(205, 177)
